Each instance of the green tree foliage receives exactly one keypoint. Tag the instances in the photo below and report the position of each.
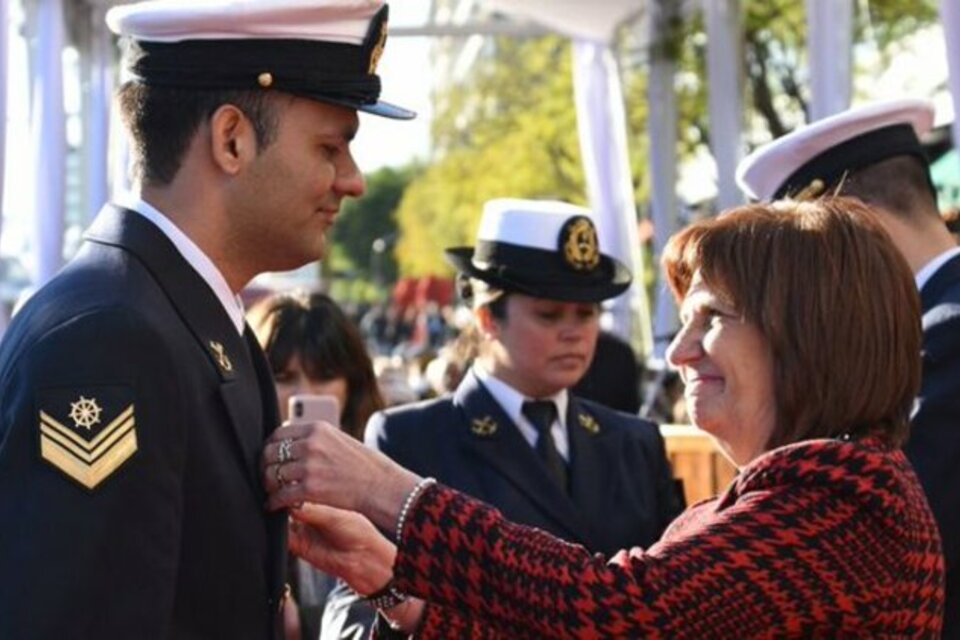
(509, 131)
(366, 219)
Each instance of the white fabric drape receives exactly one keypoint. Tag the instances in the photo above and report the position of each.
(725, 90)
(98, 89)
(603, 144)
(950, 17)
(829, 46)
(581, 19)
(48, 137)
(662, 127)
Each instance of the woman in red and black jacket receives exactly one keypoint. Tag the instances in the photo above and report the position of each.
(799, 348)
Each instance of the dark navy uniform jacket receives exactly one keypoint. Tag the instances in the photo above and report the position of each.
(934, 445)
(622, 490)
(131, 423)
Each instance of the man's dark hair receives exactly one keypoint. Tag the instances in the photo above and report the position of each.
(162, 121)
(899, 185)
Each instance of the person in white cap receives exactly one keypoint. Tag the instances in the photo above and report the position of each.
(512, 434)
(874, 153)
(135, 401)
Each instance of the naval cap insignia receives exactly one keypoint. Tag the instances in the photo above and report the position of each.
(812, 191)
(579, 245)
(221, 355)
(377, 51)
(588, 422)
(485, 426)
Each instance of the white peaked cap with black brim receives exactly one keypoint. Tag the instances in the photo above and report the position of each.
(541, 248)
(827, 150)
(326, 50)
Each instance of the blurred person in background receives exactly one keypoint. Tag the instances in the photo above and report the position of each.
(800, 367)
(613, 377)
(314, 348)
(512, 434)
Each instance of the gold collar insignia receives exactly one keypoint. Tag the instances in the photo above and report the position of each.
(484, 427)
(578, 240)
(221, 355)
(589, 423)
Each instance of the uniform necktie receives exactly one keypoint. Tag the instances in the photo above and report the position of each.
(541, 414)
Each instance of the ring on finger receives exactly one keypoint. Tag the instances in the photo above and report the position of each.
(285, 452)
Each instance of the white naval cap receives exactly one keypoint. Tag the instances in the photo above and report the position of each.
(543, 248)
(344, 21)
(327, 50)
(828, 149)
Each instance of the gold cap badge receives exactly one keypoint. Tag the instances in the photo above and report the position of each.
(811, 191)
(377, 51)
(484, 427)
(578, 241)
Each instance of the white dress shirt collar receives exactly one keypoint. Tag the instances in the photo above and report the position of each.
(511, 401)
(923, 276)
(194, 256)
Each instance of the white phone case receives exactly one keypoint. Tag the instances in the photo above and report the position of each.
(306, 408)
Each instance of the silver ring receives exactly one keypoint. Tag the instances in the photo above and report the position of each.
(285, 454)
(279, 475)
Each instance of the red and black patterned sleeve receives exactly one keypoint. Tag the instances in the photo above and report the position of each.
(785, 559)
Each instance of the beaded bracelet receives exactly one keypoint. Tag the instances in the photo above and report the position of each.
(386, 598)
(412, 497)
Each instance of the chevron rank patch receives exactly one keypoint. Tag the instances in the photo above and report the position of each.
(87, 433)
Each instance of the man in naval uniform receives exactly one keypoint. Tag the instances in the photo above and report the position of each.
(135, 400)
(873, 153)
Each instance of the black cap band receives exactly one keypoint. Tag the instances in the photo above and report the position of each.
(854, 154)
(515, 261)
(303, 67)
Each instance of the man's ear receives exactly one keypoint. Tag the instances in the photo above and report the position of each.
(486, 323)
(233, 141)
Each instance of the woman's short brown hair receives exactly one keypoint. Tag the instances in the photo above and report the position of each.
(835, 299)
(328, 345)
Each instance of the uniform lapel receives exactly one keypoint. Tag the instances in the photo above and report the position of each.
(490, 434)
(276, 521)
(227, 353)
(592, 453)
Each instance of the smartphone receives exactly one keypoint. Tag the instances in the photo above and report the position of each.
(305, 408)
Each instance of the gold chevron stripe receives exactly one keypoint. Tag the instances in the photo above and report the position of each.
(82, 453)
(92, 444)
(89, 475)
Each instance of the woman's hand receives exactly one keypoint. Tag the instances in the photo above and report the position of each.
(319, 463)
(343, 543)
(347, 545)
